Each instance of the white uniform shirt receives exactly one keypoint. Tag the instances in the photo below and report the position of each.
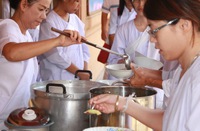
(169, 68)
(126, 16)
(111, 6)
(54, 62)
(183, 109)
(125, 35)
(16, 77)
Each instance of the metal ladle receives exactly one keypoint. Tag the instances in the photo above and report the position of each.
(125, 56)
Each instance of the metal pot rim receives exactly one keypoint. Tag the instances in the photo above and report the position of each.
(146, 92)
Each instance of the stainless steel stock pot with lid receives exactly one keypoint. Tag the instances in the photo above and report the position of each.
(65, 101)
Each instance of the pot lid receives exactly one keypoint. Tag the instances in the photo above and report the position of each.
(28, 117)
(71, 89)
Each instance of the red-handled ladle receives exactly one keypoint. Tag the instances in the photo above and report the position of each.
(125, 56)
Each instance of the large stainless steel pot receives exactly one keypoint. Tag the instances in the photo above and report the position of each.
(65, 101)
(144, 96)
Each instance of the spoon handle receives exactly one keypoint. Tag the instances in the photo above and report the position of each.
(85, 41)
(93, 107)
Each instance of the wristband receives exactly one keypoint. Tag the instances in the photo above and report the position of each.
(125, 107)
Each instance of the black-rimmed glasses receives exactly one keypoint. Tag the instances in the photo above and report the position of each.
(153, 32)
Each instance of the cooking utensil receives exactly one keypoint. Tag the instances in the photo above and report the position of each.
(125, 56)
(127, 61)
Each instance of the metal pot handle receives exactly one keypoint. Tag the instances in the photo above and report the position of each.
(86, 71)
(56, 85)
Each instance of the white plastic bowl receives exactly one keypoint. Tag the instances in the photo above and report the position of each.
(148, 63)
(107, 129)
(119, 71)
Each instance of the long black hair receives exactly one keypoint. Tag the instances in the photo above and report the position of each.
(122, 4)
(121, 7)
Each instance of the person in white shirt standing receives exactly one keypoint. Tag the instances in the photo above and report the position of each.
(109, 8)
(18, 63)
(61, 63)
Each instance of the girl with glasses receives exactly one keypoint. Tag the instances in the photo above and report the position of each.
(179, 41)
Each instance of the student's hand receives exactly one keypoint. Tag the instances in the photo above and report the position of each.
(138, 79)
(104, 35)
(75, 38)
(104, 103)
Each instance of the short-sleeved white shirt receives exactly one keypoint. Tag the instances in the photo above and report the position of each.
(16, 77)
(53, 63)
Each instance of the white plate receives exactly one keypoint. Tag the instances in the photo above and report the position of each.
(119, 71)
(107, 129)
